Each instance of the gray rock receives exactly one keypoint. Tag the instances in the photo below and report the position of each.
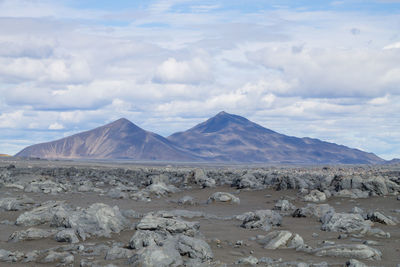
(170, 225)
(116, 193)
(42, 214)
(15, 204)
(161, 189)
(186, 200)
(98, 219)
(119, 253)
(346, 223)
(315, 196)
(314, 210)
(223, 197)
(30, 234)
(281, 239)
(284, 206)
(353, 193)
(165, 256)
(67, 235)
(247, 181)
(62, 257)
(354, 263)
(202, 179)
(349, 251)
(379, 217)
(147, 238)
(249, 261)
(263, 219)
(194, 248)
(8, 256)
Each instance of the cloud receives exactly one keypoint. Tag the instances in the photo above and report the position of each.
(193, 71)
(56, 126)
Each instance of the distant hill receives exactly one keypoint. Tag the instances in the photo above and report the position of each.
(394, 161)
(4, 155)
(222, 138)
(120, 139)
(232, 138)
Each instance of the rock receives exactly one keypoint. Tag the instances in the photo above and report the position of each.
(186, 200)
(118, 253)
(349, 251)
(98, 219)
(223, 197)
(315, 196)
(202, 179)
(147, 238)
(30, 234)
(42, 214)
(354, 193)
(46, 187)
(315, 210)
(249, 261)
(15, 204)
(165, 256)
(161, 189)
(8, 256)
(354, 263)
(379, 217)
(67, 235)
(284, 206)
(263, 219)
(281, 239)
(346, 223)
(116, 194)
(194, 248)
(247, 181)
(62, 257)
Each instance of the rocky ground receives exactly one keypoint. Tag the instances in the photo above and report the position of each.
(60, 213)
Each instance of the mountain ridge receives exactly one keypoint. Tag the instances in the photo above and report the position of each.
(222, 138)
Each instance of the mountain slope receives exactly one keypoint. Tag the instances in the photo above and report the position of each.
(120, 139)
(228, 137)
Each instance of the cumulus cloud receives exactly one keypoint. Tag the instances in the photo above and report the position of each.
(56, 126)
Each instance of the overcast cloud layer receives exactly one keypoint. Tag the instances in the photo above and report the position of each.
(326, 70)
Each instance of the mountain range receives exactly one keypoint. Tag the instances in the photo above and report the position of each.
(222, 138)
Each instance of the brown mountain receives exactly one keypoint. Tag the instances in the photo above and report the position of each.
(120, 139)
(231, 138)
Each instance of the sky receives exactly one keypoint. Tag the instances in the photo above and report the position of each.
(323, 69)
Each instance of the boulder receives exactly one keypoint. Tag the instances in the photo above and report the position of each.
(284, 206)
(263, 219)
(15, 204)
(42, 214)
(247, 181)
(379, 217)
(8, 256)
(314, 210)
(161, 256)
(186, 200)
(281, 239)
(30, 234)
(194, 248)
(115, 253)
(223, 197)
(67, 235)
(202, 179)
(354, 263)
(356, 251)
(249, 261)
(346, 223)
(315, 196)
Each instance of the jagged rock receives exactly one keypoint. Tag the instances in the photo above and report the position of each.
(223, 197)
(186, 200)
(46, 187)
(349, 251)
(249, 261)
(147, 238)
(247, 181)
(284, 206)
(202, 179)
(354, 263)
(62, 257)
(379, 217)
(194, 248)
(161, 189)
(30, 234)
(98, 219)
(118, 253)
(42, 214)
(116, 193)
(281, 239)
(263, 219)
(165, 256)
(346, 223)
(315, 210)
(67, 235)
(315, 196)
(170, 225)
(8, 256)
(15, 204)
(354, 193)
